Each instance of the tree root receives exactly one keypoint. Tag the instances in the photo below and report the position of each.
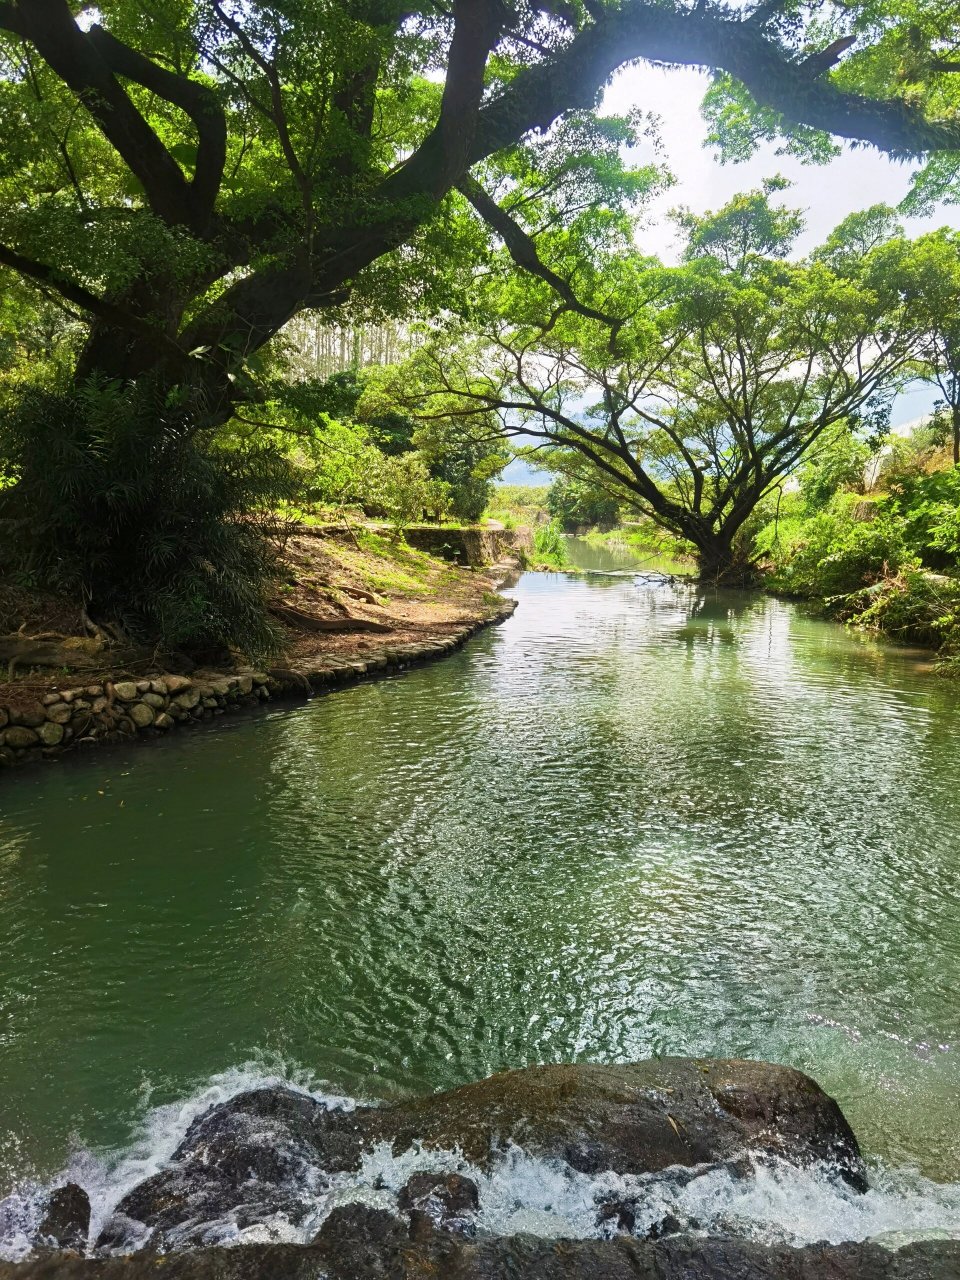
(50, 649)
(307, 622)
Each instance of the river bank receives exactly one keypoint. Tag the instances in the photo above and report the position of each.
(352, 604)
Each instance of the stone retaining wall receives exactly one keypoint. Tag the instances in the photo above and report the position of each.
(471, 545)
(71, 715)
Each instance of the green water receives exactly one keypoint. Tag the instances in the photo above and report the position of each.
(614, 556)
(632, 820)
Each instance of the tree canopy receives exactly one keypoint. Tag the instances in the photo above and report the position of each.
(189, 174)
(693, 390)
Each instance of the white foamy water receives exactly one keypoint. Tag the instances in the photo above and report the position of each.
(521, 1193)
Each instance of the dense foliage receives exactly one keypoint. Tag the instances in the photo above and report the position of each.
(887, 559)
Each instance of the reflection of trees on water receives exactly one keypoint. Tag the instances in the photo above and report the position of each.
(712, 615)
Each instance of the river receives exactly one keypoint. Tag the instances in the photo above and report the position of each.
(636, 819)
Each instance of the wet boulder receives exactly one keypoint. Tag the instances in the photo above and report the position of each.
(66, 1220)
(267, 1156)
(635, 1118)
(263, 1156)
(448, 1200)
(358, 1242)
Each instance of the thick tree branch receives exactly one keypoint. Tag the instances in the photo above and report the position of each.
(523, 251)
(196, 99)
(444, 155)
(653, 32)
(82, 297)
(50, 27)
(573, 79)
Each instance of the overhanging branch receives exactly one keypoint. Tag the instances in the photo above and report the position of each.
(523, 251)
(701, 39)
(82, 297)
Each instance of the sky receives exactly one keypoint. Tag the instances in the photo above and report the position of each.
(856, 179)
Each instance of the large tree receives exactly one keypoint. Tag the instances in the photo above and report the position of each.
(187, 175)
(693, 391)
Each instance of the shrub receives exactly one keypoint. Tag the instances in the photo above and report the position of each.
(164, 530)
(832, 553)
(550, 545)
(929, 506)
(914, 606)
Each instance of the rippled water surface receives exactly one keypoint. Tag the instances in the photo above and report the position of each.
(635, 819)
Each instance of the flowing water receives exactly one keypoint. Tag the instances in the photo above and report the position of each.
(636, 819)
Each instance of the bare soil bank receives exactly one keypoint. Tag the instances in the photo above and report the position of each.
(351, 603)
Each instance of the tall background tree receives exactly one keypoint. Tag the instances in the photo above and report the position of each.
(694, 390)
(935, 271)
(185, 176)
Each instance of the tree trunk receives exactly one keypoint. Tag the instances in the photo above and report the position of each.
(956, 435)
(719, 562)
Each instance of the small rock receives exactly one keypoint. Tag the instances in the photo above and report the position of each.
(210, 702)
(51, 735)
(59, 713)
(177, 684)
(447, 1199)
(159, 686)
(99, 705)
(67, 1219)
(126, 691)
(245, 685)
(143, 686)
(155, 700)
(19, 737)
(32, 717)
(188, 700)
(163, 721)
(141, 715)
(50, 698)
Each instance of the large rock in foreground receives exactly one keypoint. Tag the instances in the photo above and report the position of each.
(636, 1118)
(270, 1154)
